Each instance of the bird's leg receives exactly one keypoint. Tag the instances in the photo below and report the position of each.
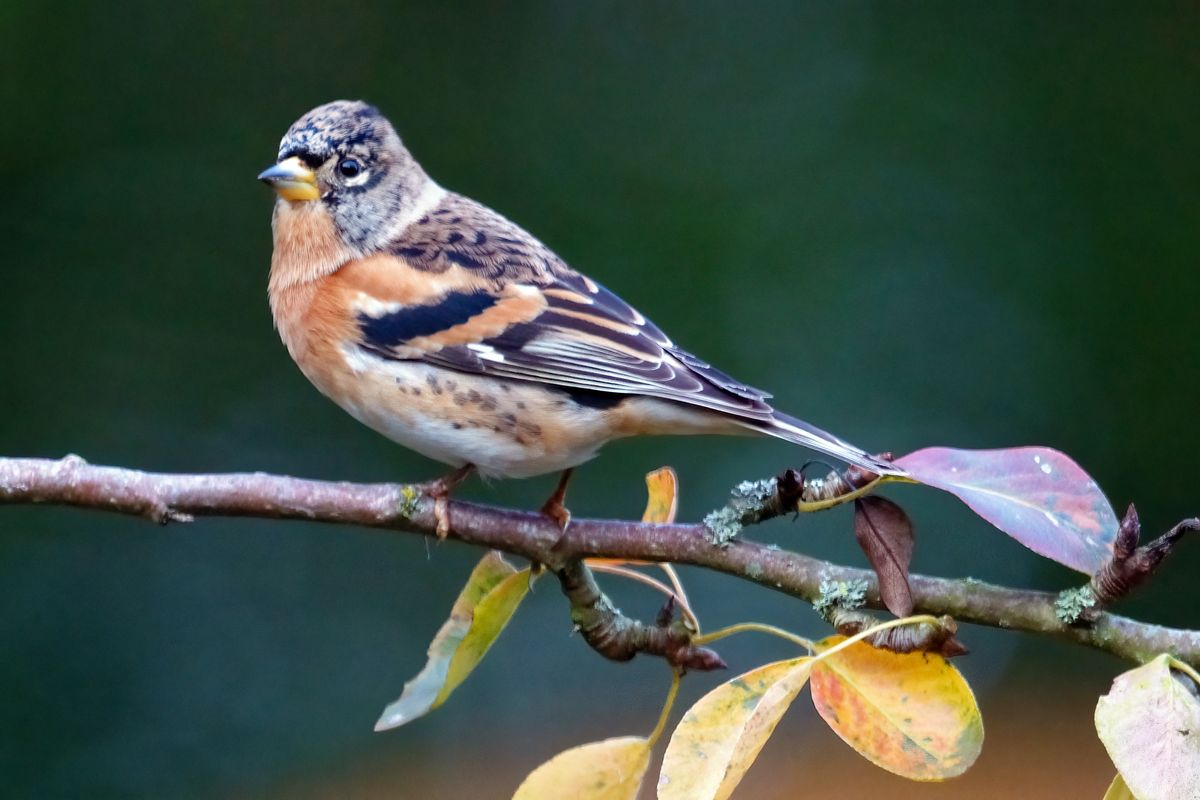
(554, 508)
(440, 490)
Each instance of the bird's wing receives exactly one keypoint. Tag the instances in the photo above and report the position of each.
(586, 337)
(493, 300)
(567, 332)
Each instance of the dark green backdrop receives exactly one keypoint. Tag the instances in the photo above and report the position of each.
(915, 224)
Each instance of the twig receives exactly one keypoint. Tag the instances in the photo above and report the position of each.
(1130, 564)
(616, 636)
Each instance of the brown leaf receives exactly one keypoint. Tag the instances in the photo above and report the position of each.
(885, 534)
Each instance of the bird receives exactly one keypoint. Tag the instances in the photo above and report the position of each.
(449, 329)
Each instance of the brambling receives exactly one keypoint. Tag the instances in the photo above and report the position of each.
(449, 329)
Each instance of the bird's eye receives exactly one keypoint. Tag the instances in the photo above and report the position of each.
(349, 168)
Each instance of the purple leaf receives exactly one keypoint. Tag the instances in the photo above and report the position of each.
(1036, 495)
(885, 534)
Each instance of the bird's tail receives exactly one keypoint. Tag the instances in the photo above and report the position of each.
(791, 429)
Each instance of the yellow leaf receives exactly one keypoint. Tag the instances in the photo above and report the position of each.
(911, 713)
(720, 736)
(609, 770)
(1118, 790)
(482, 609)
(1150, 724)
(662, 490)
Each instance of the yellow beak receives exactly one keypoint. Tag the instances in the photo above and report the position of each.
(291, 180)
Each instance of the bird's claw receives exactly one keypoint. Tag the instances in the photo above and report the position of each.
(556, 511)
(440, 490)
(441, 515)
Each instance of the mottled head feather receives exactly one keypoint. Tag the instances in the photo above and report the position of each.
(365, 207)
(333, 128)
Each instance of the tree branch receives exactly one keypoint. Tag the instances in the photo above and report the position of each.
(165, 498)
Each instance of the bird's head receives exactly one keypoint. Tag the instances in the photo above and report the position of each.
(346, 156)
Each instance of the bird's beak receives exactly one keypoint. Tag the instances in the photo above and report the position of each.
(291, 180)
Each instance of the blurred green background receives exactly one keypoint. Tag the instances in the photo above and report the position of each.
(915, 224)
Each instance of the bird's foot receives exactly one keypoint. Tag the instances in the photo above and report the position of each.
(440, 490)
(559, 513)
(554, 508)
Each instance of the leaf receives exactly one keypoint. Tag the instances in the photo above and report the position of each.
(912, 714)
(1150, 724)
(720, 736)
(662, 499)
(1036, 495)
(609, 770)
(885, 534)
(662, 486)
(482, 609)
(1117, 790)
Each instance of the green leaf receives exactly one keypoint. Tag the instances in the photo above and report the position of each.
(720, 736)
(1150, 724)
(609, 770)
(482, 609)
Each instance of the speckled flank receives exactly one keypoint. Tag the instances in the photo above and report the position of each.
(507, 429)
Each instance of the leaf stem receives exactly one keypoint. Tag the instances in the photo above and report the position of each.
(639, 577)
(680, 595)
(666, 711)
(1185, 669)
(808, 506)
(759, 627)
(883, 626)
